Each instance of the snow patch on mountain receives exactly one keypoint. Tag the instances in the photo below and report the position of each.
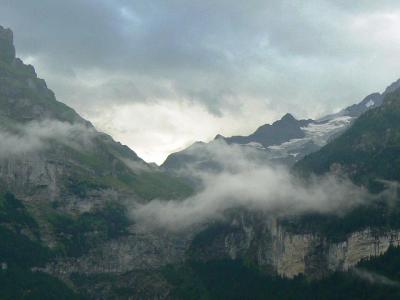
(293, 143)
(370, 103)
(320, 133)
(254, 145)
(317, 134)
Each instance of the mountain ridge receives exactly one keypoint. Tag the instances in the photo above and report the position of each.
(367, 150)
(26, 100)
(288, 140)
(65, 188)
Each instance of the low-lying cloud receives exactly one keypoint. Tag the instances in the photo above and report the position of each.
(35, 136)
(252, 185)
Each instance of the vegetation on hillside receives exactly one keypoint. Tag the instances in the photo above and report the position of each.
(379, 215)
(21, 250)
(369, 154)
(227, 279)
(77, 234)
(368, 151)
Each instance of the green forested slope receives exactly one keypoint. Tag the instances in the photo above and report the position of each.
(235, 280)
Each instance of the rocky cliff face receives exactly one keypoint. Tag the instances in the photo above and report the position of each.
(263, 241)
(316, 256)
(7, 50)
(271, 246)
(140, 250)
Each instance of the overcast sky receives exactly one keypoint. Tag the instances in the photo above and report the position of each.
(161, 74)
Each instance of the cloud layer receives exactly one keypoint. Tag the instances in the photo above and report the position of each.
(245, 183)
(279, 56)
(35, 136)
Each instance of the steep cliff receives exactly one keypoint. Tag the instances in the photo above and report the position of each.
(270, 245)
(52, 152)
(71, 180)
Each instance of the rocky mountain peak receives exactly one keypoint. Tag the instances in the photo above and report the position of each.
(393, 87)
(288, 118)
(7, 49)
(219, 137)
(27, 97)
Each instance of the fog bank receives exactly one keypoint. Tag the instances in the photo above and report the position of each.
(253, 185)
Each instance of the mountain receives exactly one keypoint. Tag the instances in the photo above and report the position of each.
(368, 150)
(285, 141)
(7, 49)
(371, 101)
(67, 192)
(358, 244)
(281, 131)
(66, 149)
(65, 188)
(359, 142)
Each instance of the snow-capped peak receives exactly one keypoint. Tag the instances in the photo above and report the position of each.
(317, 133)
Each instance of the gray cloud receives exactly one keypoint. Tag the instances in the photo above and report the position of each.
(35, 137)
(245, 183)
(308, 58)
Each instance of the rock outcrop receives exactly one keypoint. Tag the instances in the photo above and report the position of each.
(316, 256)
(267, 243)
(7, 50)
(275, 248)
